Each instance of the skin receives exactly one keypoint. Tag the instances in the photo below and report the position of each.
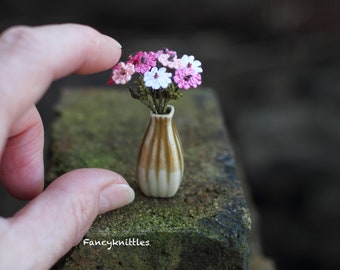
(58, 217)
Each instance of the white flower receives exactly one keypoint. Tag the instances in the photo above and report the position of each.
(157, 78)
(190, 62)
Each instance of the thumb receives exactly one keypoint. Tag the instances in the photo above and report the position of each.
(57, 219)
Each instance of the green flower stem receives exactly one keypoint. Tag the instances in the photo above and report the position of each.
(155, 100)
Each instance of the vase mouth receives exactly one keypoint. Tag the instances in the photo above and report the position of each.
(170, 110)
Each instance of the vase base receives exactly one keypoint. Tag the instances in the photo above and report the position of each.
(160, 188)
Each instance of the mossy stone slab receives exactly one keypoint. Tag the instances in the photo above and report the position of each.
(205, 226)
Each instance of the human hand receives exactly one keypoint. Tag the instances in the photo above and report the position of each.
(58, 217)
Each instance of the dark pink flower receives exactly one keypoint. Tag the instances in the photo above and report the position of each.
(143, 61)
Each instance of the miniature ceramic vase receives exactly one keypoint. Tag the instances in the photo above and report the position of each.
(160, 162)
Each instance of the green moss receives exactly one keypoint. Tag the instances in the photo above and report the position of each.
(104, 128)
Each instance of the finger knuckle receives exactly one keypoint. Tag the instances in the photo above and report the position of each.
(18, 37)
(83, 216)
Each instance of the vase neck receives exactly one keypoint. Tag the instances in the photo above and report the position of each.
(170, 113)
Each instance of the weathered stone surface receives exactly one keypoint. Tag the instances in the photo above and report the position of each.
(205, 226)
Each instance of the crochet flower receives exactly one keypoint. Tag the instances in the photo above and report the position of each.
(187, 78)
(169, 59)
(157, 78)
(143, 61)
(159, 70)
(190, 62)
(122, 73)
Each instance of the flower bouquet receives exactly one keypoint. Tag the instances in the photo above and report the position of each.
(160, 77)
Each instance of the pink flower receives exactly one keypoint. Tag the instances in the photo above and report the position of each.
(165, 51)
(169, 60)
(187, 78)
(122, 73)
(143, 61)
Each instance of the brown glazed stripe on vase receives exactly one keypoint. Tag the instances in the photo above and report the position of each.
(160, 162)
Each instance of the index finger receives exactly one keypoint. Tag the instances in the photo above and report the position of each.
(32, 57)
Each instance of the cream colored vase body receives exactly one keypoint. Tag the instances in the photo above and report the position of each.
(160, 161)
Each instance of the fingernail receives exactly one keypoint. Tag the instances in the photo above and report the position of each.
(118, 44)
(115, 42)
(115, 196)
